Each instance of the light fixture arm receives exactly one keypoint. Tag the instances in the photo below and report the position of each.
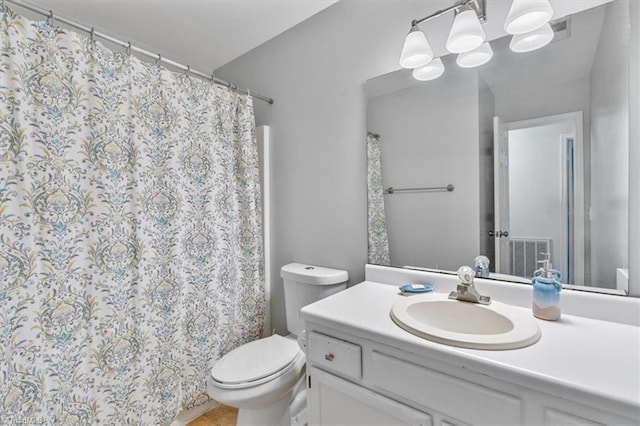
(479, 6)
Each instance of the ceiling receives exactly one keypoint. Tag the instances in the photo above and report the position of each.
(204, 34)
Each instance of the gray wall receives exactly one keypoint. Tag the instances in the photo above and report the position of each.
(316, 73)
(525, 101)
(424, 145)
(610, 147)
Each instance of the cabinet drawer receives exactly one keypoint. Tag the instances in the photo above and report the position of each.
(335, 355)
(454, 397)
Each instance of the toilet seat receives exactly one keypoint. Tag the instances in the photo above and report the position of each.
(256, 362)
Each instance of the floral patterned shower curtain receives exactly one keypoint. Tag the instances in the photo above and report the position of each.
(377, 225)
(130, 234)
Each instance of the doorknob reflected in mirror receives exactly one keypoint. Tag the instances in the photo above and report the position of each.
(499, 234)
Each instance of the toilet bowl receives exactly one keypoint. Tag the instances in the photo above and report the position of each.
(265, 379)
(259, 378)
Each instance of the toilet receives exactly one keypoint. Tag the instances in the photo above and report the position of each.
(265, 379)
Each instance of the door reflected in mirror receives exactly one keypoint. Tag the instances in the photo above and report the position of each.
(536, 145)
(538, 210)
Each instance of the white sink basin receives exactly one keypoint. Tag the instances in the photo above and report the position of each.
(468, 325)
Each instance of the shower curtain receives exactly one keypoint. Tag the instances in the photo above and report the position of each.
(377, 227)
(130, 234)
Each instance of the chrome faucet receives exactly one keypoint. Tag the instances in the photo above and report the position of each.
(466, 290)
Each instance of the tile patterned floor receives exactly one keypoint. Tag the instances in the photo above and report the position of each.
(221, 415)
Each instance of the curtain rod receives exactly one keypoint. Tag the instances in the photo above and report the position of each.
(130, 47)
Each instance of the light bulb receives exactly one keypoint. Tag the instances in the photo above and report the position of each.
(533, 40)
(432, 70)
(416, 51)
(475, 58)
(527, 15)
(466, 32)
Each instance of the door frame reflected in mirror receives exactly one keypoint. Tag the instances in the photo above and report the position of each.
(573, 227)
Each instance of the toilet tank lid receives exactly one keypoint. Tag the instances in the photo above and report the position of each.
(310, 274)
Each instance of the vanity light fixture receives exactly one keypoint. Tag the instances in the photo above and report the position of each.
(528, 20)
(416, 51)
(431, 71)
(533, 40)
(466, 35)
(476, 57)
(527, 15)
(466, 32)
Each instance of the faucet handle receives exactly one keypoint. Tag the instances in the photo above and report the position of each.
(466, 274)
(466, 291)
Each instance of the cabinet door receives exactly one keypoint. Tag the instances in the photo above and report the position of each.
(459, 401)
(334, 401)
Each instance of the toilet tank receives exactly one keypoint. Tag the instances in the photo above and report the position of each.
(305, 284)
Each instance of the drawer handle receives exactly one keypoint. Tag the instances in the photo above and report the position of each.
(329, 357)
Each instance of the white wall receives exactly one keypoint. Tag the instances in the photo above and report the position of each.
(610, 147)
(435, 229)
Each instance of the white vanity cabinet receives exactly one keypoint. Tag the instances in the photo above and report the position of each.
(339, 402)
(354, 380)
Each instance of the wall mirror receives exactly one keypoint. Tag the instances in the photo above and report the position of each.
(534, 145)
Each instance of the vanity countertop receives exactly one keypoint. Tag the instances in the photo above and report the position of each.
(597, 359)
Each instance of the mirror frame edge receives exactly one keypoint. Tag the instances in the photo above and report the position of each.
(634, 149)
(634, 173)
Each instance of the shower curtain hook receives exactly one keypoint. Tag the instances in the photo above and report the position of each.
(128, 48)
(50, 18)
(159, 60)
(91, 34)
(188, 71)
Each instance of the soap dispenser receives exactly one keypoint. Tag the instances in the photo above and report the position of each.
(546, 291)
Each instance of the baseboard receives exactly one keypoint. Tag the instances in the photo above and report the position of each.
(187, 416)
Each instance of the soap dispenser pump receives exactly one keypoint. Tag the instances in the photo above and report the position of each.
(546, 291)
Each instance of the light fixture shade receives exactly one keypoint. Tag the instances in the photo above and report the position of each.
(416, 51)
(476, 57)
(527, 15)
(466, 32)
(536, 39)
(432, 70)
